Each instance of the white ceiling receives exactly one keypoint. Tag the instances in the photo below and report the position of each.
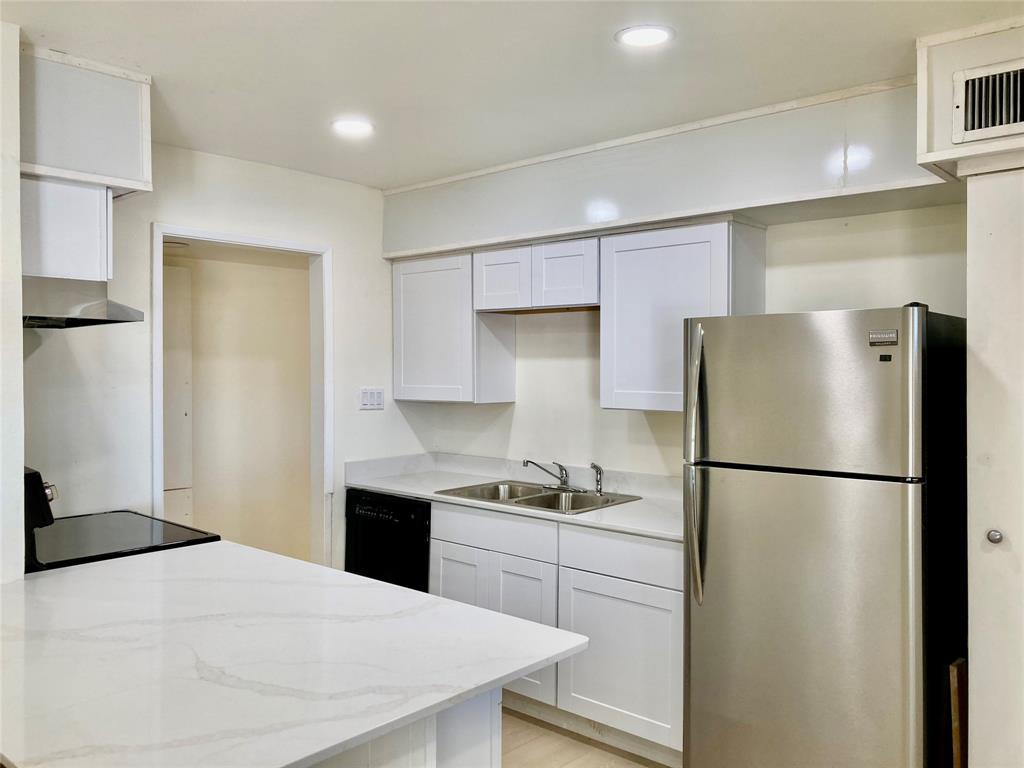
(457, 86)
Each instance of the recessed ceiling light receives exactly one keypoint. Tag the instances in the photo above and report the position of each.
(352, 127)
(644, 35)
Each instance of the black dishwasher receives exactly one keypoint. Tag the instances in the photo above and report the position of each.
(387, 538)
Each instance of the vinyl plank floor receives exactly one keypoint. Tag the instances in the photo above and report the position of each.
(526, 743)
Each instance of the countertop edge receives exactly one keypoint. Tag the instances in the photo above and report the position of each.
(578, 520)
(363, 738)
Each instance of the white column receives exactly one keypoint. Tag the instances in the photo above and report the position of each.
(12, 426)
(995, 444)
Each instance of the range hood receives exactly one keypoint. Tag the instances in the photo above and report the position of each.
(53, 302)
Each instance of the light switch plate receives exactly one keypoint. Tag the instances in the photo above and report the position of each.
(371, 399)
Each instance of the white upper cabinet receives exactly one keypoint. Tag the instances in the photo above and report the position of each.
(433, 344)
(565, 273)
(501, 279)
(650, 282)
(84, 121)
(65, 229)
(443, 351)
(549, 275)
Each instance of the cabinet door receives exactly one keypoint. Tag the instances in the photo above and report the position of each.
(565, 273)
(501, 279)
(433, 329)
(460, 573)
(631, 675)
(65, 229)
(527, 589)
(85, 121)
(650, 282)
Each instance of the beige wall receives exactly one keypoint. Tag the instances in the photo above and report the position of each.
(881, 260)
(557, 415)
(11, 436)
(88, 410)
(875, 260)
(250, 395)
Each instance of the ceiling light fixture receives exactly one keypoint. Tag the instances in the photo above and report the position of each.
(352, 127)
(644, 35)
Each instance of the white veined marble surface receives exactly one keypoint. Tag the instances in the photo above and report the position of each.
(224, 655)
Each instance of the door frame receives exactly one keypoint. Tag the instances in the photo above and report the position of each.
(321, 331)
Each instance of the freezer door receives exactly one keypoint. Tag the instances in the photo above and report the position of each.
(832, 391)
(805, 648)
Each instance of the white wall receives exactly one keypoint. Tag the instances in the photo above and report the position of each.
(251, 405)
(88, 413)
(12, 561)
(839, 147)
(995, 459)
(863, 261)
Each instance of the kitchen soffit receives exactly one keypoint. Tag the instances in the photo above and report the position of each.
(453, 87)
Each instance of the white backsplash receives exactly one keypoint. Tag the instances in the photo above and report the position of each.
(635, 483)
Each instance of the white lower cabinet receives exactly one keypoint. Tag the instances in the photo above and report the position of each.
(630, 676)
(527, 589)
(516, 586)
(460, 573)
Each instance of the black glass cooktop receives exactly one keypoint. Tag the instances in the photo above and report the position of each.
(105, 535)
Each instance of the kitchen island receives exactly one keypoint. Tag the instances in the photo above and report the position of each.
(224, 655)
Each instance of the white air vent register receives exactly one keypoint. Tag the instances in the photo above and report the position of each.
(970, 99)
(988, 102)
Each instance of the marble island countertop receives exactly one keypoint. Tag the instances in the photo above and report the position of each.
(224, 655)
(655, 517)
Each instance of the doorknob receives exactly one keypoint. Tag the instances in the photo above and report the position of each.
(995, 536)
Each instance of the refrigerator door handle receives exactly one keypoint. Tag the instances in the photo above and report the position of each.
(692, 533)
(696, 356)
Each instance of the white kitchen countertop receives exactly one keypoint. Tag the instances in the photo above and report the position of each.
(660, 518)
(223, 655)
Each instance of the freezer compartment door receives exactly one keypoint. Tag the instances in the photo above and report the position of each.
(805, 650)
(831, 391)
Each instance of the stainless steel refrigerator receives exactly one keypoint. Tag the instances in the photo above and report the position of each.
(825, 504)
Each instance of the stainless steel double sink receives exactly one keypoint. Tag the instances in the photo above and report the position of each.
(535, 496)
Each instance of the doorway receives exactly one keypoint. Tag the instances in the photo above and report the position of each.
(242, 395)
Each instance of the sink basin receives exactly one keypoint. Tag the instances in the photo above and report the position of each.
(535, 496)
(566, 501)
(572, 503)
(504, 491)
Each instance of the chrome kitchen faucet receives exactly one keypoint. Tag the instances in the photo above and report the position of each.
(562, 477)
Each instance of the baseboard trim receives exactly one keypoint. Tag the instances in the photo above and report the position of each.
(605, 735)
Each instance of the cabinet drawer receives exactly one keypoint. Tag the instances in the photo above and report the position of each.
(637, 558)
(497, 531)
